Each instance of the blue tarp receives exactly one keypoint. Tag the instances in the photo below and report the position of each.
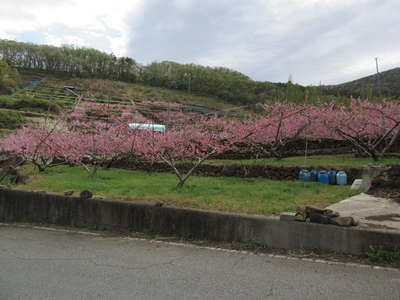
(35, 82)
(155, 127)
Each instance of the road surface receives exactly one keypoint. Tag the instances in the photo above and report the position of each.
(43, 264)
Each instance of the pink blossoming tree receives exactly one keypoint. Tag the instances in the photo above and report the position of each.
(281, 124)
(371, 128)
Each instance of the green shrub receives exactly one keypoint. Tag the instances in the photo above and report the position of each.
(383, 254)
(5, 132)
(10, 119)
(5, 102)
(9, 78)
(36, 105)
(29, 104)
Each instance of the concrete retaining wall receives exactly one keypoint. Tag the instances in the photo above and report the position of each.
(24, 206)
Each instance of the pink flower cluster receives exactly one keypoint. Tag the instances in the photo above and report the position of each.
(207, 135)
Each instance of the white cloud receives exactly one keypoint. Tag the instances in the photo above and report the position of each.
(88, 19)
(66, 39)
(313, 40)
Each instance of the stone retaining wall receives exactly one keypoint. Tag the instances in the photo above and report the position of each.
(231, 170)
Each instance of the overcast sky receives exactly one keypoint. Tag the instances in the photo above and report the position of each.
(331, 41)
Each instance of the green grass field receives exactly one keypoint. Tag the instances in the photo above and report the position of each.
(254, 196)
(340, 160)
(108, 89)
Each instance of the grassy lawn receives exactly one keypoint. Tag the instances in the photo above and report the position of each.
(341, 160)
(255, 196)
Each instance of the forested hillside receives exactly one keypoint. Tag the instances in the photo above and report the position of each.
(228, 85)
(386, 84)
(85, 62)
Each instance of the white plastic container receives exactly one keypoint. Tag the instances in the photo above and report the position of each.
(357, 184)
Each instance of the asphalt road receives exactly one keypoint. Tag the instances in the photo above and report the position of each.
(42, 264)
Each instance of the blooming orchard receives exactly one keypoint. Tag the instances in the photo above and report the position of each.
(372, 129)
(93, 133)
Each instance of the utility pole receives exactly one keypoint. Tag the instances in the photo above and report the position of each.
(188, 75)
(289, 88)
(189, 85)
(378, 79)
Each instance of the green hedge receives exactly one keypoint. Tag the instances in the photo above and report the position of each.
(29, 104)
(10, 119)
(9, 78)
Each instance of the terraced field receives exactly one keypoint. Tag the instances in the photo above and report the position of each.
(46, 95)
(54, 94)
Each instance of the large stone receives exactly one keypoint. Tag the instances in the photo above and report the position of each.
(68, 192)
(86, 194)
(315, 214)
(343, 221)
(369, 174)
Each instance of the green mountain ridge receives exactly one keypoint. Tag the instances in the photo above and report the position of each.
(385, 84)
(222, 83)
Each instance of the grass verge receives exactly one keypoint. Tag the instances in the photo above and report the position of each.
(382, 254)
(250, 195)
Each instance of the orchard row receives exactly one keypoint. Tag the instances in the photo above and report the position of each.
(92, 133)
